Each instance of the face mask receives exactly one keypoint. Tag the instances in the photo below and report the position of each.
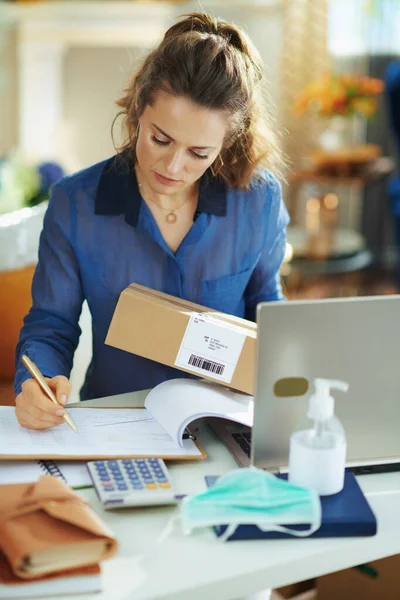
(256, 497)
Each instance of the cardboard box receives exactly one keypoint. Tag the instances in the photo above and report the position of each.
(185, 335)
(303, 590)
(378, 580)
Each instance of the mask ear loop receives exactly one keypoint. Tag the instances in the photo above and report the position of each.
(294, 532)
(230, 530)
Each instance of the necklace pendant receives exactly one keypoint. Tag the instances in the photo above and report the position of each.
(171, 217)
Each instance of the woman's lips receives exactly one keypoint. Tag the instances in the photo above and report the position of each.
(165, 180)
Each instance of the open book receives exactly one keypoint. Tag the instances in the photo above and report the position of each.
(156, 430)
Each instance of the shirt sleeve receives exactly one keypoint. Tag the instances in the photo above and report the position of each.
(265, 282)
(50, 333)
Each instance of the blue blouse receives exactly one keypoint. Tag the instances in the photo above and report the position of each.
(99, 236)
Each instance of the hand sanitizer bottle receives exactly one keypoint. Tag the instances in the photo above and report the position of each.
(317, 455)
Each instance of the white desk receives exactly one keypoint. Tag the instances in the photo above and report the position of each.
(200, 566)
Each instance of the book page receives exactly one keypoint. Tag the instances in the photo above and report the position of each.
(101, 432)
(178, 402)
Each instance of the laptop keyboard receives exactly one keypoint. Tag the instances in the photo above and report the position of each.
(244, 441)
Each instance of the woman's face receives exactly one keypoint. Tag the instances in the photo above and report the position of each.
(177, 142)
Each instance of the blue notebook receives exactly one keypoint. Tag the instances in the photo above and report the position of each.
(346, 514)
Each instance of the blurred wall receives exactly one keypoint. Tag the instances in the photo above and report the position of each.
(94, 78)
(8, 89)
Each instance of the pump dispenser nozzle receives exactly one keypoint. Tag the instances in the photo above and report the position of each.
(324, 385)
(322, 404)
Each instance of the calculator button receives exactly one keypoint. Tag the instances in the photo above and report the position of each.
(165, 485)
(151, 486)
(122, 486)
(137, 486)
(108, 488)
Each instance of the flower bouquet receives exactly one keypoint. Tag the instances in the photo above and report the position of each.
(345, 101)
(24, 183)
(25, 187)
(341, 95)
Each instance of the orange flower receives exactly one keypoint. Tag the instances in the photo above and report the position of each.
(340, 94)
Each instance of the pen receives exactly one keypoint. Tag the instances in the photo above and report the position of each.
(36, 374)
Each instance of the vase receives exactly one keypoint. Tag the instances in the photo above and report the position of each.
(342, 132)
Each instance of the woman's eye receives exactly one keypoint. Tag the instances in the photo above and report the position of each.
(201, 156)
(158, 141)
(166, 143)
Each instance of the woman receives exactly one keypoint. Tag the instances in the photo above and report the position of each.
(187, 207)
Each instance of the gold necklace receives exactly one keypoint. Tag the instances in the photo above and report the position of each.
(171, 217)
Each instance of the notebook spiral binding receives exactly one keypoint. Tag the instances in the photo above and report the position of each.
(50, 468)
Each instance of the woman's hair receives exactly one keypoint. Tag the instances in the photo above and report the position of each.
(215, 65)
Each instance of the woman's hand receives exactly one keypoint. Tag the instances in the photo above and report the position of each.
(35, 410)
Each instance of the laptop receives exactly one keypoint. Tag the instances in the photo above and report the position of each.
(356, 340)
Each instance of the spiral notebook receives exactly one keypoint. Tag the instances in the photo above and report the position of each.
(73, 473)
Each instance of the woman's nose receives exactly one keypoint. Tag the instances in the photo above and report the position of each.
(174, 163)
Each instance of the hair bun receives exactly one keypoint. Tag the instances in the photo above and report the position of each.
(205, 23)
(201, 22)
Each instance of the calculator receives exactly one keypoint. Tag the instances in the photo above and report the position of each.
(132, 482)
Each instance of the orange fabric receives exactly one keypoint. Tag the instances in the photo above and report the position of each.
(38, 516)
(15, 302)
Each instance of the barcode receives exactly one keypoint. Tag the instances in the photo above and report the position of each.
(206, 365)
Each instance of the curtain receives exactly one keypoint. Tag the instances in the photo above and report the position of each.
(305, 56)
